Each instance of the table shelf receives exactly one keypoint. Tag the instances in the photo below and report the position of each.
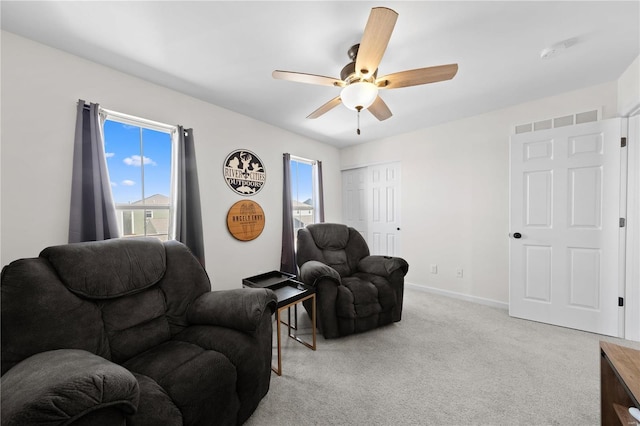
(619, 383)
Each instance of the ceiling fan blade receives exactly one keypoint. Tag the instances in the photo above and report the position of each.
(417, 76)
(379, 109)
(326, 107)
(374, 41)
(301, 77)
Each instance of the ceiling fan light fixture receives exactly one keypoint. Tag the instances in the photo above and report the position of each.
(359, 95)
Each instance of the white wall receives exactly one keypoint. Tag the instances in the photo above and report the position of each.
(40, 90)
(629, 89)
(455, 198)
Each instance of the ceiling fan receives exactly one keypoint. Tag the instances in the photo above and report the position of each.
(359, 80)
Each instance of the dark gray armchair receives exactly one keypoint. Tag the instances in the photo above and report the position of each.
(355, 292)
(127, 331)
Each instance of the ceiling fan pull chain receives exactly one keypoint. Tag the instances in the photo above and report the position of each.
(358, 130)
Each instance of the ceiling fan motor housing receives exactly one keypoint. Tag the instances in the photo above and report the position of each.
(348, 73)
(353, 52)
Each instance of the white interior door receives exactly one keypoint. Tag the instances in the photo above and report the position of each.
(371, 204)
(354, 206)
(384, 209)
(565, 228)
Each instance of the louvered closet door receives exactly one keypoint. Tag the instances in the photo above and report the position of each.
(565, 206)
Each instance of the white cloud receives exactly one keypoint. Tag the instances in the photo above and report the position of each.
(109, 154)
(136, 160)
(114, 184)
(128, 182)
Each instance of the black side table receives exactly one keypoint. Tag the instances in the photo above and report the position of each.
(289, 292)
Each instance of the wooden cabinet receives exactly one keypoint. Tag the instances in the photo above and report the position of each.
(619, 383)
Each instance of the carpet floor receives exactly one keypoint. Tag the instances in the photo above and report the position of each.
(448, 362)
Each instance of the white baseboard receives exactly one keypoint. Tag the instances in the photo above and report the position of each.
(453, 294)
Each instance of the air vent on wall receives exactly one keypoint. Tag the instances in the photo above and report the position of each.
(567, 120)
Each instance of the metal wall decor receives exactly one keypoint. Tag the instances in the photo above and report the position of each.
(244, 172)
(245, 220)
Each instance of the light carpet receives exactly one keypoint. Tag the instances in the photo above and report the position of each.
(448, 362)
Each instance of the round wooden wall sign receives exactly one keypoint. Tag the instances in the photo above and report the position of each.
(245, 220)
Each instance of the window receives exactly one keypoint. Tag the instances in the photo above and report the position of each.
(139, 159)
(303, 190)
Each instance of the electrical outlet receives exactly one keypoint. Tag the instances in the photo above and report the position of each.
(459, 272)
(434, 269)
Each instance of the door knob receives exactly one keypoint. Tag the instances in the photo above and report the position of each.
(517, 235)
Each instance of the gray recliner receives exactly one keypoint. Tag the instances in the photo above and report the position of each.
(128, 331)
(355, 292)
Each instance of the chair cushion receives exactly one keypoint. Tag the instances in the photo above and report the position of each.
(362, 301)
(201, 383)
(386, 295)
(108, 269)
(253, 367)
(39, 314)
(135, 323)
(330, 236)
(337, 259)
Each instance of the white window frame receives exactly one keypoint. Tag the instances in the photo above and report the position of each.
(143, 123)
(314, 188)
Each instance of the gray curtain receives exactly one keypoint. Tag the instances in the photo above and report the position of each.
(320, 195)
(93, 212)
(288, 254)
(187, 211)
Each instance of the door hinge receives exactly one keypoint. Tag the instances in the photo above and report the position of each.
(623, 142)
(623, 222)
(620, 301)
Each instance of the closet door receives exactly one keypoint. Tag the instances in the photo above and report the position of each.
(354, 206)
(371, 204)
(384, 209)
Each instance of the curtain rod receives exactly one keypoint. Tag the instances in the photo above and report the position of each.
(136, 121)
(303, 160)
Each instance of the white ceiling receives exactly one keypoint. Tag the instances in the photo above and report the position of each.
(224, 52)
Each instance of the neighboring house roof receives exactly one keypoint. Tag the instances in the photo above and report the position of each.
(297, 205)
(156, 199)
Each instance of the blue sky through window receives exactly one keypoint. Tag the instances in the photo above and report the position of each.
(125, 161)
(301, 181)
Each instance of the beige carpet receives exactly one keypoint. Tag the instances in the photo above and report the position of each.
(448, 362)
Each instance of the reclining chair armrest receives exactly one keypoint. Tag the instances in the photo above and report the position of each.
(383, 266)
(62, 386)
(240, 309)
(326, 281)
(312, 271)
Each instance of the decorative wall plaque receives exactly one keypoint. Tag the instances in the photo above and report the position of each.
(245, 220)
(244, 172)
